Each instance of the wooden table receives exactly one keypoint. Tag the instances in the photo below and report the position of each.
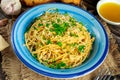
(13, 69)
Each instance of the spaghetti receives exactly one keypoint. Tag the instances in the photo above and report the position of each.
(58, 40)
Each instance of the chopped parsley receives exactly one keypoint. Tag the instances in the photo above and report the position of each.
(57, 65)
(43, 38)
(80, 28)
(35, 56)
(58, 20)
(81, 23)
(48, 42)
(73, 21)
(60, 65)
(37, 18)
(73, 44)
(59, 44)
(35, 28)
(47, 25)
(52, 66)
(40, 24)
(65, 24)
(51, 29)
(81, 48)
(60, 29)
(72, 34)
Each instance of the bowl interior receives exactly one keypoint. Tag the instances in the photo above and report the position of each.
(97, 55)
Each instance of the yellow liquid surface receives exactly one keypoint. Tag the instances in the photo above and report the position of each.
(110, 11)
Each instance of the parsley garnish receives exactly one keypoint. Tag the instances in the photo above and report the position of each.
(47, 25)
(73, 21)
(51, 29)
(37, 18)
(58, 20)
(75, 35)
(73, 44)
(48, 42)
(81, 23)
(35, 28)
(52, 66)
(35, 56)
(59, 44)
(60, 65)
(81, 48)
(57, 65)
(60, 28)
(40, 24)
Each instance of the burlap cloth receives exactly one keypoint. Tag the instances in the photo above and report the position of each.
(16, 70)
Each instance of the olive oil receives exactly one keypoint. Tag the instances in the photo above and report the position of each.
(110, 11)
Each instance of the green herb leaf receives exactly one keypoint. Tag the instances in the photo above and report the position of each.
(59, 44)
(62, 64)
(51, 29)
(65, 24)
(81, 48)
(75, 35)
(81, 23)
(37, 18)
(28, 28)
(52, 66)
(47, 25)
(53, 61)
(35, 56)
(41, 43)
(60, 28)
(80, 28)
(58, 66)
(73, 44)
(55, 25)
(46, 61)
(48, 42)
(73, 24)
(40, 24)
(73, 21)
(58, 20)
(35, 28)
(43, 38)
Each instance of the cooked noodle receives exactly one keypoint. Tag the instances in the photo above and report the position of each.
(58, 40)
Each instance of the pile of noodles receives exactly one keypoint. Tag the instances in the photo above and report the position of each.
(58, 40)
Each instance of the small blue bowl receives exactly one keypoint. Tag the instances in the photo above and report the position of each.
(97, 55)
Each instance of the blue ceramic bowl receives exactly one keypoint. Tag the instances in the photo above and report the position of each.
(97, 55)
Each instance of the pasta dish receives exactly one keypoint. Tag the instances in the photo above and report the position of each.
(58, 40)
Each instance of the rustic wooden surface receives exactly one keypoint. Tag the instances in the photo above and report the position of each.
(13, 69)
